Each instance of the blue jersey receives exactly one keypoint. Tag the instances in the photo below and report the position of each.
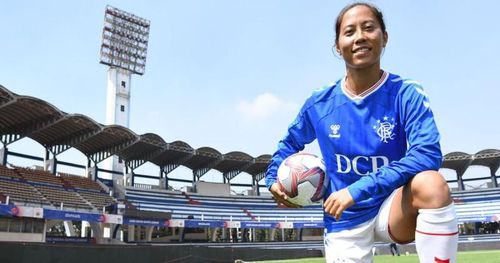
(372, 144)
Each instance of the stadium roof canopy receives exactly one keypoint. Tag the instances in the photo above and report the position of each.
(203, 159)
(489, 157)
(259, 167)
(109, 140)
(57, 131)
(65, 132)
(172, 155)
(143, 149)
(24, 116)
(231, 164)
(21, 115)
(460, 161)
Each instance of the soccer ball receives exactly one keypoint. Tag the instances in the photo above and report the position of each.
(303, 179)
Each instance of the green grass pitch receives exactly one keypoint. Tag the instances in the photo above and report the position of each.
(484, 256)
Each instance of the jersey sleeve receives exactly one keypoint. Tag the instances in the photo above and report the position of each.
(299, 133)
(423, 153)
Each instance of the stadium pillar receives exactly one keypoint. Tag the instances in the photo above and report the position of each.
(46, 159)
(49, 164)
(214, 234)
(97, 231)
(234, 234)
(182, 233)
(477, 226)
(272, 231)
(85, 226)
(460, 181)
(161, 181)
(69, 229)
(163, 175)
(493, 169)
(166, 182)
(54, 165)
(255, 185)
(45, 229)
(91, 171)
(3, 155)
(116, 228)
(131, 233)
(132, 180)
(244, 235)
(148, 233)
(223, 236)
(298, 234)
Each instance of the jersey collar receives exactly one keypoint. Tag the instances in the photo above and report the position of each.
(365, 93)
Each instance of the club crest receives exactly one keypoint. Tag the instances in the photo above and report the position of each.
(385, 129)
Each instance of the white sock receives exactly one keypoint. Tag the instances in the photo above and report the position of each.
(436, 236)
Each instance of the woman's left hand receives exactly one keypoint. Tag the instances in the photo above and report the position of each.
(337, 202)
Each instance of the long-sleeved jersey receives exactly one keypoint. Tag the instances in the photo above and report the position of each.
(371, 144)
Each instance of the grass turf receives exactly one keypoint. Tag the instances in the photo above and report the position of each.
(483, 256)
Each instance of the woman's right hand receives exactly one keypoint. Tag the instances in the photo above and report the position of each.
(280, 196)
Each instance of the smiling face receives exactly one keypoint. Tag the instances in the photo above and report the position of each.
(361, 38)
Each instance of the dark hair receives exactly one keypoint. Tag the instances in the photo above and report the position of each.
(376, 12)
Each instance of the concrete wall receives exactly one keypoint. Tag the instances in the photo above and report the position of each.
(22, 237)
(213, 189)
(462, 246)
(182, 253)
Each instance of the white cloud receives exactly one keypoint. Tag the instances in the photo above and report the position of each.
(263, 107)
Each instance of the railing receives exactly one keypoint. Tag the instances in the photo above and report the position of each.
(143, 186)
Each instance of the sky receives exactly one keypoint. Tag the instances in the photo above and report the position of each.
(232, 74)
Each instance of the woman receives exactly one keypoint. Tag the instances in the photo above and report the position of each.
(381, 148)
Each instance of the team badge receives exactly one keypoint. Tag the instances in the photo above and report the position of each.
(385, 129)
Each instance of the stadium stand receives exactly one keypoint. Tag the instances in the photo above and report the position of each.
(180, 207)
(90, 190)
(79, 182)
(22, 193)
(262, 208)
(9, 173)
(24, 185)
(152, 208)
(471, 206)
(18, 190)
(55, 190)
(59, 196)
(481, 205)
(479, 195)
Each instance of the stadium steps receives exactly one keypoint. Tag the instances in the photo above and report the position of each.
(45, 199)
(249, 214)
(235, 208)
(20, 192)
(91, 191)
(178, 204)
(191, 201)
(87, 201)
(56, 194)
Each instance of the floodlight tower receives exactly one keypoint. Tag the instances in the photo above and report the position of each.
(124, 48)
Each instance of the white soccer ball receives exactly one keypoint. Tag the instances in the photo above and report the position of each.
(302, 177)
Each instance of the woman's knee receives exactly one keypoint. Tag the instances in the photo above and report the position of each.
(429, 190)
